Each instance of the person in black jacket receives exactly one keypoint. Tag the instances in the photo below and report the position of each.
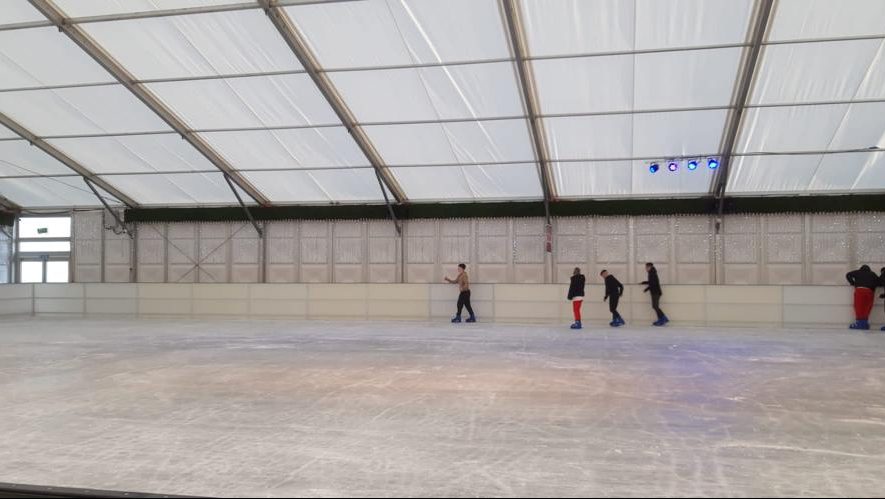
(613, 291)
(654, 287)
(882, 283)
(576, 295)
(865, 282)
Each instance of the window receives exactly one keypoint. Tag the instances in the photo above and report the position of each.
(43, 249)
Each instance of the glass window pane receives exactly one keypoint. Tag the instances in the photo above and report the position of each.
(51, 192)
(390, 32)
(219, 43)
(81, 110)
(31, 272)
(805, 19)
(42, 56)
(57, 272)
(18, 157)
(452, 143)
(44, 247)
(254, 102)
(471, 91)
(134, 153)
(176, 189)
(283, 149)
(317, 186)
(813, 72)
(18, 11)
(33, 227)
(79, 8)
(470, 183)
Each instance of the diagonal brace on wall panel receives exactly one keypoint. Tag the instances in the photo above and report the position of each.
(519, 49)
(112, 66)
(386, 180)
(757, 35)
(233, 189)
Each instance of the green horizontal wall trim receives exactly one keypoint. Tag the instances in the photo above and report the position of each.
(695, 206)
(7, 219)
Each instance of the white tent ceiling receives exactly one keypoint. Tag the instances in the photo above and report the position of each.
(433, 88)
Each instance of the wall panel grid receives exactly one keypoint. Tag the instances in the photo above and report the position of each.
(5, 255)
(781, 249)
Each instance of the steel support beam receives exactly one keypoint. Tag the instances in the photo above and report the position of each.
(324, 84)
(244, 207)
(761, 19)
(519, 51)
(85, 42)
(113, 213)
(84, 172)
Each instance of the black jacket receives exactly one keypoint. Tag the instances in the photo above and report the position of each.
(576, 288)
(653, 283)
(613, 287)
(882, 281)
(863, 278)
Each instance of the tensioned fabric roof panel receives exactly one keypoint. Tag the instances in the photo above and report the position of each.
(41, 56)
(216, 43)
(318, 186)
(18, 11)
(373, 33)
(814, 19)
(18, 157)
(202, 189)
(85, 8)
(470, 183)
(626, 178)
(844, 172)
(6, 133)
(51, 192)
(134, 154)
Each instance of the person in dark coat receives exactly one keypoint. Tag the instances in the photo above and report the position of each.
(576, 295)
(654, 287)
(882, 283)
(865, 282)
(613, 291)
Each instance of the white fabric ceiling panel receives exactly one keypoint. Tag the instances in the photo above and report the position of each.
(394, 32)
(253, 102)
(774, 174)
(691, 23)
(693, 78)
(84, 8)
(134, 154)
(80, 110)
(470, 183)
(682, 182)
(470, 91)
(678, 134)
(873, 85)
(813, 72)
(807, 19)
(281, 149)
(18, 11)
(588, 84)
(590, 137)
(6, 133)
(813, 128)
(593, 179)
(51, 192)
(562, 27)
(43, 56)
(176, 189)
(318, 186)
(850, 171)
(446, 143)
(18, 157)
(218, 43)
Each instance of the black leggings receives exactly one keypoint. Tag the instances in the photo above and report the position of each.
(656, 304)
(613, 306)
(464, 301)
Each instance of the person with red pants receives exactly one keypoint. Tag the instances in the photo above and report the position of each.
(576, 296)
(865, 282)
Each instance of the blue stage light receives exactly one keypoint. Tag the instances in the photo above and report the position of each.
(713, 163)
(654, 167)
(693, 165)
(673, 166)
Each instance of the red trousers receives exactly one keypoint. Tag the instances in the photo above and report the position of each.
(863, 303)
(576, 306)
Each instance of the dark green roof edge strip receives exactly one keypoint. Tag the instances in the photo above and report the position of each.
(7, 218)
(696, 206)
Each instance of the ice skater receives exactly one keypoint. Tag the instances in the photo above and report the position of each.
(576, 295)
(865, 282)
(613, 291)
(882, 283)
(463, 283)
(654, 287)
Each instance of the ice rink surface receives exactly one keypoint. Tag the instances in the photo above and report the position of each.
(279, 408)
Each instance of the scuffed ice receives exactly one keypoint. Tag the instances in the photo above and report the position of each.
(395, 409)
